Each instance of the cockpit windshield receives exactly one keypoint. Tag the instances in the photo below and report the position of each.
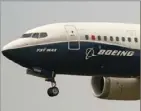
(43, 34)
(26, 35)
(35, 35)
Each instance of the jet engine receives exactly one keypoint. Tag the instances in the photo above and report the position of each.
(114, 88)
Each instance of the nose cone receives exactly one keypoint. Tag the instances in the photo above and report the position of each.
(6, 47)
(13, 54)
(16, 52)
(7, 52)
(9, 49)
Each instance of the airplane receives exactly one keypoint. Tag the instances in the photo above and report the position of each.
(108, 52)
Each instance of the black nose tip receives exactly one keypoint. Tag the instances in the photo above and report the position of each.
(6, 53)
(9, 53)
(2, 52)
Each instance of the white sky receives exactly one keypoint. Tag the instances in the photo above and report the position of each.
(21, 92)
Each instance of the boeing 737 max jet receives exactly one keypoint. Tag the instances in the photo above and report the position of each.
(109, 52)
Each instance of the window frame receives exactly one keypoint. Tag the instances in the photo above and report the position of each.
(105, 38)
(123, 39)
(117, 38)
(43, 36)
(27, 34)
(129, 39)
(111, 38)
(99, 38)
(136, 40)
(36, 36)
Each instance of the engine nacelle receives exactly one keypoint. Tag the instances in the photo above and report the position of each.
(114, 88)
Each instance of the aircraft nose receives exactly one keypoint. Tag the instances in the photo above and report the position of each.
(14, 54)
(4, 52)
(8, 49)
(7, 52)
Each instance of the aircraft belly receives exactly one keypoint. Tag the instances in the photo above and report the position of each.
(113, 66)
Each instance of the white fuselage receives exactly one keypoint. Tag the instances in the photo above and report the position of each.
(60, 32)
(107, 46)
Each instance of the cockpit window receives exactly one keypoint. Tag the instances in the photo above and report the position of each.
(35, 35)
(43, 34)
(26, 35)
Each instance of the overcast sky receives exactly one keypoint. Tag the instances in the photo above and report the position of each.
(21, 92)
